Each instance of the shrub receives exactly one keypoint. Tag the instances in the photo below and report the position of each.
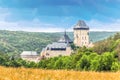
(115, 66)
(83, 63)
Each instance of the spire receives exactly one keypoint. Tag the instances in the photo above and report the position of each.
(65, 32)
(65, 38)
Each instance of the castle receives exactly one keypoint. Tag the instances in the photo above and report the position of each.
(62, 46)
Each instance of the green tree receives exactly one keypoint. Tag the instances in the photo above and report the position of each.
(58, 64)
(67, 62)
(105, 61)
(42, 64)
(83, 63)
(115, 66)
(94, 57)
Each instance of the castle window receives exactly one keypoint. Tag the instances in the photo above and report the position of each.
(58, 49)
(88, 33)
(47, 48)
(85, 37)
(47, 54)
(76, 35)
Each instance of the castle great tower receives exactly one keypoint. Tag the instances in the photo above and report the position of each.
(81, 34)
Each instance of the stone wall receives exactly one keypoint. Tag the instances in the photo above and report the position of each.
(81, 38)
(30, 57)
(55, 53)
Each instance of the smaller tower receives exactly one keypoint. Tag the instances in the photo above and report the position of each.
(65, 38)
(81, 34)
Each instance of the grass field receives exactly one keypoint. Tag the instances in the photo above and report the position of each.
(39, 74)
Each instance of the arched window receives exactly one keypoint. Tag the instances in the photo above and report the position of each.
(47, 48)
(88, 33)
(76, 36)
(82, 38)
(85, 37)
(47, 54)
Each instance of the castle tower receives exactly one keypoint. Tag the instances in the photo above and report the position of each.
(81, 34)
(65, 38)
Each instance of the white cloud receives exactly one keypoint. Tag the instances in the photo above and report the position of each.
(38, 26)
(33, 26)
(96, 25)
(30, 26)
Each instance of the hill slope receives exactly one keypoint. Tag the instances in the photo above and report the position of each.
(14, 42)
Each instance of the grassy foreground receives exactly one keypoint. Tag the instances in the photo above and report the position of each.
(39, 74)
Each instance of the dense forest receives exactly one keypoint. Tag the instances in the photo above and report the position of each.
(104, 56)
(14, 42)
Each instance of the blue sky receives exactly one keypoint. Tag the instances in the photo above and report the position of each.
(58, 15)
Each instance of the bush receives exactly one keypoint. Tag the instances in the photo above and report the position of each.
(83, 63)
(58, 64)
(115, 66)
(105, 61)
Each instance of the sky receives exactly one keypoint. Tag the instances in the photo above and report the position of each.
(59, 15)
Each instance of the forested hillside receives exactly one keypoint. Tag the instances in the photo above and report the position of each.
(104, 56)
(14, 42)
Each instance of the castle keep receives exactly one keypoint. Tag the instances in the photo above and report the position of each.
(81, 34)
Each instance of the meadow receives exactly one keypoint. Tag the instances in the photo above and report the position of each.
(39, 74)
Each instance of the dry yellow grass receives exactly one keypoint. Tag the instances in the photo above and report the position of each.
(39, 74)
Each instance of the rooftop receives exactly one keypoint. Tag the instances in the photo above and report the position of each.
(33, 53)
(57, 45)
(81, 25)
(60, 45)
